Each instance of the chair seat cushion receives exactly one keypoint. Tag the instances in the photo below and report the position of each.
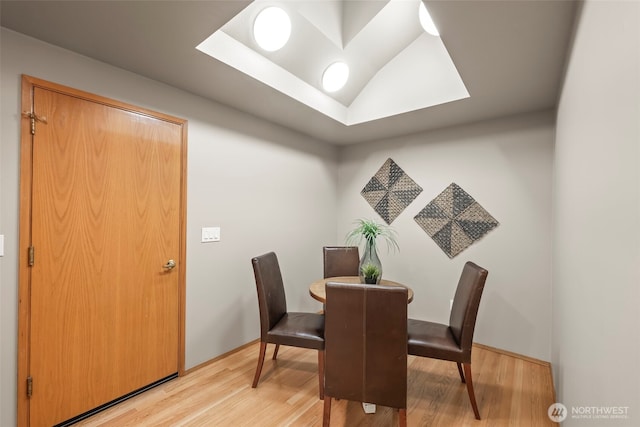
(299, 330)
(434, 340)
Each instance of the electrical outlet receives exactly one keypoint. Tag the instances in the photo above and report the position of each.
(369, 408)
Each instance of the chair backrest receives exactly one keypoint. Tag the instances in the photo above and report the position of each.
(341, 261)
(271, 297)
(366, 343)
(466, 301)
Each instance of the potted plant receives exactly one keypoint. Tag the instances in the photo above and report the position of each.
(371, 273)
(367, 231)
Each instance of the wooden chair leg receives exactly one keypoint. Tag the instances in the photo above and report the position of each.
(263, 350)
(402, 417)
(472, 396)
(326, 414)
(460, 371)
(321, 373)
(275, 352)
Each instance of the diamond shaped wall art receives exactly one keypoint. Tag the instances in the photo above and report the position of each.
(390, 191)
(454, 220)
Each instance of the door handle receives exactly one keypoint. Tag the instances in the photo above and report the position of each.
(169, 265)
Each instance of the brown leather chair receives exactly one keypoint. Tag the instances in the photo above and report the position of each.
(366, 346)
(278, 326)
(453, 341)
(341, 261)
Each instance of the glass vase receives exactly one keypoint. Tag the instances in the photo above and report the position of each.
(370, 256)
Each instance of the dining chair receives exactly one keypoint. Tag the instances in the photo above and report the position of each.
(277, 325)
(366, 346)
(453, 342)
(341, 261)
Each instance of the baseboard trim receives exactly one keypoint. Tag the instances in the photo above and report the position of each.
(512, 354)
(222, 356)
(475, 344)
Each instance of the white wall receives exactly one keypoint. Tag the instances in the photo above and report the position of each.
(506, 166)
(586, 324)
(268, 188)
(596, 274)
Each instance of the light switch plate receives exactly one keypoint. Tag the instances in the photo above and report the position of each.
(210, 234)
(1, 244)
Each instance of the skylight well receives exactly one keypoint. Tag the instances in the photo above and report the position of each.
(392, 60)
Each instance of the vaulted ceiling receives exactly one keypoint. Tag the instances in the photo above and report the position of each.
(394, 65)
(510, 55)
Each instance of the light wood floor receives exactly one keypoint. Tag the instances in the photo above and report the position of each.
(510, 391)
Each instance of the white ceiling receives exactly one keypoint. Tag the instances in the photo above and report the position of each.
(510, 55)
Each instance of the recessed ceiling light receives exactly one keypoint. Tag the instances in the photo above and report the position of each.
(272, 28)
(426, 21)
(335, 76)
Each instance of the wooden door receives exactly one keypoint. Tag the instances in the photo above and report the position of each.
(102, 213)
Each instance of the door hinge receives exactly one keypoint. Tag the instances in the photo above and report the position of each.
(29, 386)
(34, 117)
(31, 256)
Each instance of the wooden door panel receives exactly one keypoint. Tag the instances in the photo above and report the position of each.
(107, 191)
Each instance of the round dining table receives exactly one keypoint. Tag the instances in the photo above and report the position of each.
(318, 292)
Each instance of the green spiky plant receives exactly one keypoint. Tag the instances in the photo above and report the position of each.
(369, 230)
